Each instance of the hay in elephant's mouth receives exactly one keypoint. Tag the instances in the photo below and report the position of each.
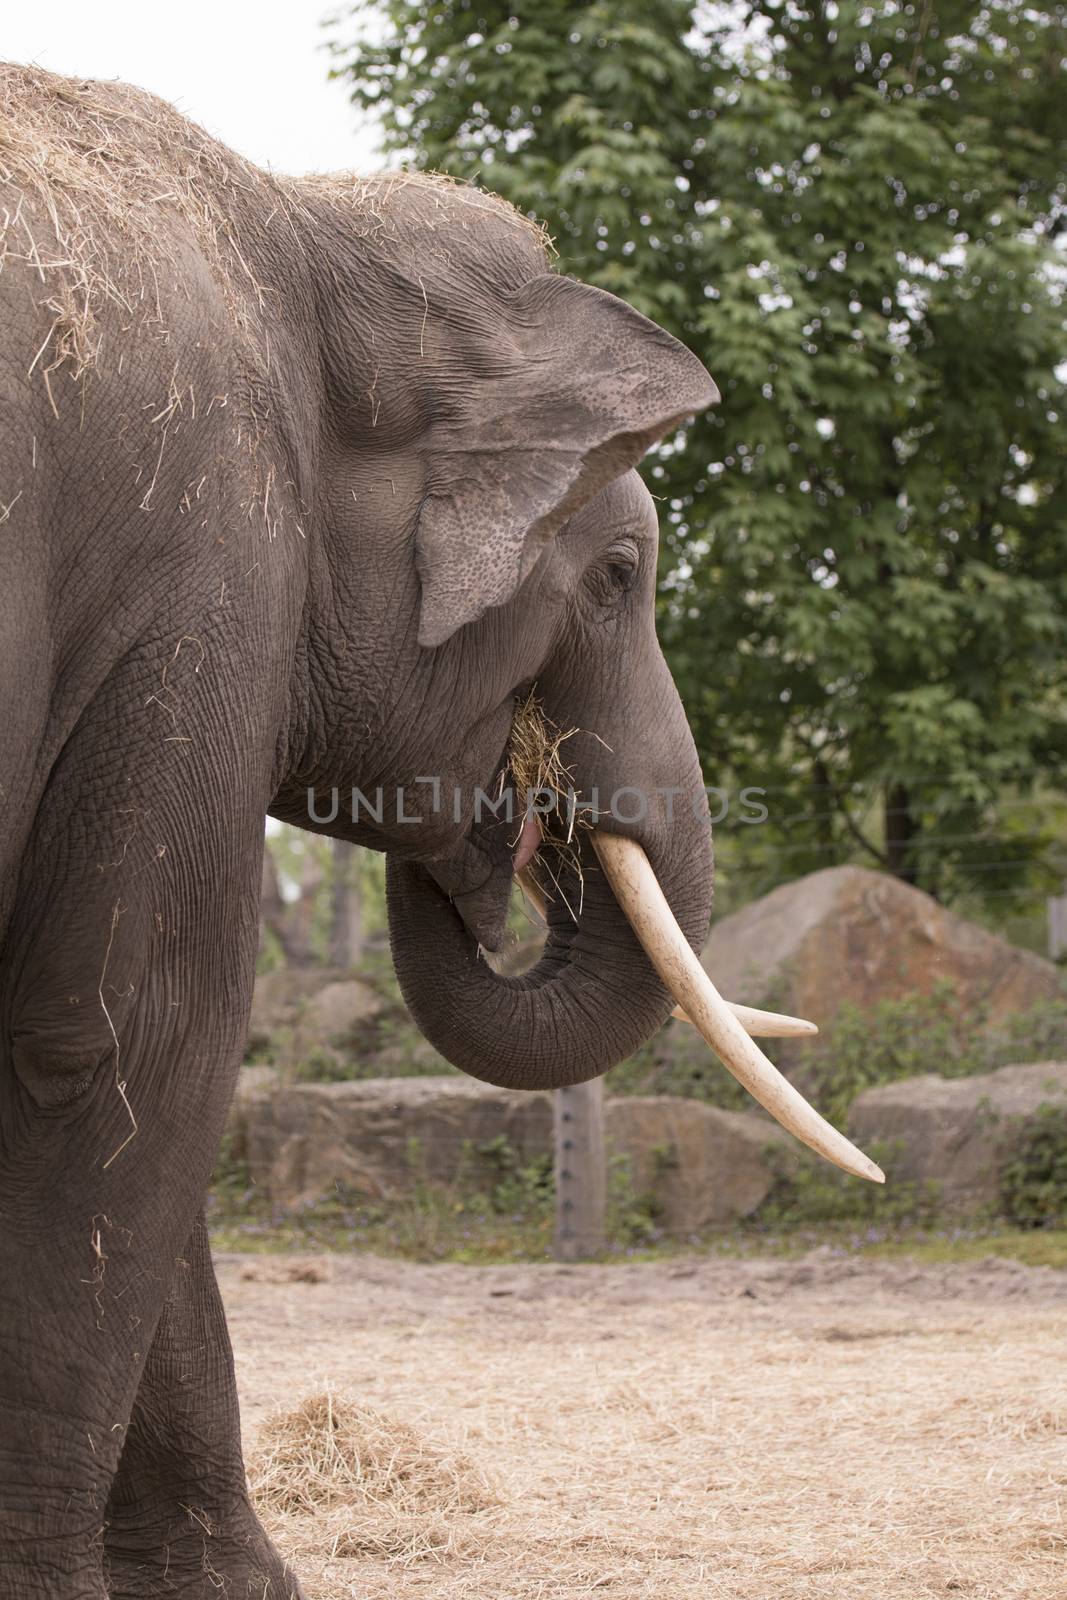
(376, 1486)
(535, 767)
(534, 754)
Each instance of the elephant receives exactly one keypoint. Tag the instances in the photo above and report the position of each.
(305, 484)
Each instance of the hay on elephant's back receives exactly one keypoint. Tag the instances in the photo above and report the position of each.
(102, 179)
(96, 175)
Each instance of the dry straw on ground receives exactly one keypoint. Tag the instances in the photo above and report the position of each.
(330, 1451)
(374, 1485)
(738, 1430)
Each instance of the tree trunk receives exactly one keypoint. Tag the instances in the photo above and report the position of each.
(274, 915)
(901, 831)
(346, 906)
(289, 921)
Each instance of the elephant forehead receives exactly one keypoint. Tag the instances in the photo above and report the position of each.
(624, 504)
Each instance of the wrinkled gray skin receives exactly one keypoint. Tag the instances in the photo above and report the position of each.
(205, 609)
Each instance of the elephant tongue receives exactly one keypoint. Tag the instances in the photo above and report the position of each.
(529, 840)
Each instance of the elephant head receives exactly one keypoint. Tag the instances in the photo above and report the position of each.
(481, 533)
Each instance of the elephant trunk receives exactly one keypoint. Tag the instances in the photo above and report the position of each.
(592, 999)
(603, 985)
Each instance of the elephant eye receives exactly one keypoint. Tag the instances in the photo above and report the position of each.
(622, 561)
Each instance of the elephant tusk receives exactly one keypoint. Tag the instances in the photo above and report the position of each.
(761, 1024)
(644, 904)
(532, 890)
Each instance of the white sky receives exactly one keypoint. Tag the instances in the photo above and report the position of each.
(251, 71)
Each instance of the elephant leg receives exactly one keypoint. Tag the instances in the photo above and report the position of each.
(96, 1201)
(127, 970)
(87, 1257)
(179, 1520)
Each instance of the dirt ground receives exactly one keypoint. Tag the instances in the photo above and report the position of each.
(752, 1430)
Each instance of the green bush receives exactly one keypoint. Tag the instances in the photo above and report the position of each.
(231, 1181)
(895, 1039)
(678, 1063)
(1033, 1177)
(634, 1217)
(521, 1189)
(321, 1066)
(1039, 1034)
(808, 1190)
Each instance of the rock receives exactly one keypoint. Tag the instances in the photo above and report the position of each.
(955, 1132)
(701, 1166)
(254, 1081)
(254, 1085)
(311, 1002)
(277, 1000)
(849, 934)
(378, 1137)
(334, 1010)
(323, 1026)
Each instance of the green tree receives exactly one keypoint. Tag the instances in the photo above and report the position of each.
(851, 212)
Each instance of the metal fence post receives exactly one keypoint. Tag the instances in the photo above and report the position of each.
(581, 1171)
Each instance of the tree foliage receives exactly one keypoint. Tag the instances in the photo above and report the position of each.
(851, 212)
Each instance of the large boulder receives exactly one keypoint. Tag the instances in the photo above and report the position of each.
(335, 1010)
(256, 1084)
(379, 1137)
(956, 1132)
(278, 998)
(849, 934)
(321, 1024)
(700, 1166)
(299, 1009)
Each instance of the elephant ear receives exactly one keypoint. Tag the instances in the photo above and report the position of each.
(580, 386)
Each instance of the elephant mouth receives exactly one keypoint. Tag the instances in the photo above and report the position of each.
(477, 876)
(506, 842)
(527, 844)
(505, 833)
